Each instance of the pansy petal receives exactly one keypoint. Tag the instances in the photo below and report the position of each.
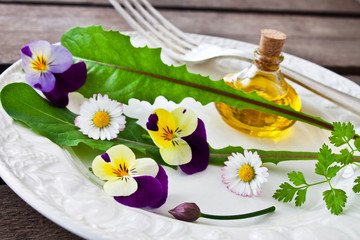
(144, 166)
(186, 120)
(73, 78)
(102, 169)
(200, 154)
(44, 81)
(124, 186)
(166, 127)
(57, 97)
(163, 179)
(149, 192)
(120, 153)
(201, 129)
(176, 154)
(60, 59)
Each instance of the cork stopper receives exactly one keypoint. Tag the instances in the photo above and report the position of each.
(271, 42)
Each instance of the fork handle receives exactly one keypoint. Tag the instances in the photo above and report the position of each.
(345, 100)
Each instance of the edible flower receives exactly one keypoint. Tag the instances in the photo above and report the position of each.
(133, 182)
(101, 118)
(49, 69)
(190, 212)
(244, 174)
(181, 137)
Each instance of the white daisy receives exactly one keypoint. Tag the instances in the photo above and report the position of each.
(101, 118)
(244, 174)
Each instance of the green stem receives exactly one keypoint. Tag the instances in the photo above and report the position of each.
(240, 216)
(356, 164)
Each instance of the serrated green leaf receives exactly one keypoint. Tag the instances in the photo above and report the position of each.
(22, 103)
(325, 159)
(335, 200)
(343, 132)
(345, 157)
(356, 187)
(297, 178)
(357, 144)
(332, 171)
(300, 197)
(285, 193)
(122, 71)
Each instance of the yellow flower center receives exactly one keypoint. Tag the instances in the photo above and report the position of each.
(122, 171)
(39, 64)
(168, 134)
(246, 173)
(101, 119)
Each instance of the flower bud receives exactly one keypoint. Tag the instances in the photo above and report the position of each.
(189, 212)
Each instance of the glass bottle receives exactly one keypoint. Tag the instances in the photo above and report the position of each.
(265, 78)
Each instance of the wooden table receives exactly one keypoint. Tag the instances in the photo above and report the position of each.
(325, 32)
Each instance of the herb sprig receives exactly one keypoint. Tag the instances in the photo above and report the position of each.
(328, 165)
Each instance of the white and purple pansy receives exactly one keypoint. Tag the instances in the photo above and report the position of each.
(50, 69)
(181, 137)
(133, 182)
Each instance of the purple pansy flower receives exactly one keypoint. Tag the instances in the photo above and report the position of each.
(181, 137)
(49, 68)
(133, 182)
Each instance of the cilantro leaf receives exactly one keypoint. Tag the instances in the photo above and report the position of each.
(346, 157)
(335, 200)
(357, 144)
(285, 193)
(356, 187)
(300, 197)
(332, 171)
(325, 159)
(342, 133)
(297, 178)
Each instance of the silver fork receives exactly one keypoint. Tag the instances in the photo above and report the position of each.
(146, 20)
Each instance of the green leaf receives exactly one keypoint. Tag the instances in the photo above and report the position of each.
(345, 158)
(332, 171)
(300, 197)
(343, 133)
(297, 178)
(335, 200)
(357, 144)
(22, 103)
(285, 193)
(356, 187)
(325, 159)
(122, 71)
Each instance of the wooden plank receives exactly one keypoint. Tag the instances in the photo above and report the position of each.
(326, 41)
(20, 221)
(308, 6)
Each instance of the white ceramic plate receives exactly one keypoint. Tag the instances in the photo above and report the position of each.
(57, 184)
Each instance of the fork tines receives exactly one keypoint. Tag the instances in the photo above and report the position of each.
(145, 19)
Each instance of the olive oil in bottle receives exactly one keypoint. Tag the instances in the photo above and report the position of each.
(265, 78)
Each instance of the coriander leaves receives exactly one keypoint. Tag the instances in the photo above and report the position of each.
(328, 165)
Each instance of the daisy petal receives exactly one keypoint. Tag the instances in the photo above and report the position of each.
(124, 186)
(177, 154)
(149, 192)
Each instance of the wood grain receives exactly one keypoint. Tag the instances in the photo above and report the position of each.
(304, 6)
(330, 42)
(23, 222)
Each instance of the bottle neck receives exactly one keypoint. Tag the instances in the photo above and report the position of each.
(267, 63)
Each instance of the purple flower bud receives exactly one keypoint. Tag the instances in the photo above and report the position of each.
(189, 212)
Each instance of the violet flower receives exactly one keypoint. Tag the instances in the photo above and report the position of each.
(49, 69)
(181, 137)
